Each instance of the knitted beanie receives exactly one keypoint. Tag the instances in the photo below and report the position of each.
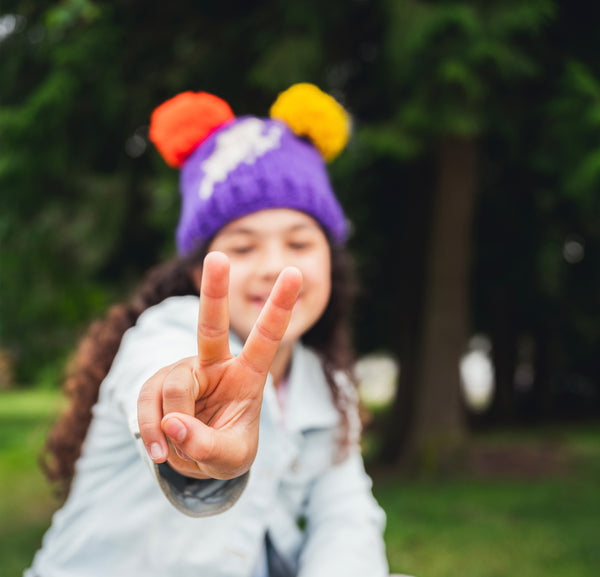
(231, 167)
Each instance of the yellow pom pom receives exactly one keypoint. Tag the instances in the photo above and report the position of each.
(312, 113)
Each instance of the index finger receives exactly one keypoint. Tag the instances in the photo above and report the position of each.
(263, 341)
(213, 312)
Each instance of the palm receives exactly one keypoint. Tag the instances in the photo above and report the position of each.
(227, 399)
(214, 396)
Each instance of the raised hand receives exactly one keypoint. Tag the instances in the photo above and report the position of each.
(208, 406)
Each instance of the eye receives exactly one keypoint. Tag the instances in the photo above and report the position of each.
(299, 245)
(241, 249)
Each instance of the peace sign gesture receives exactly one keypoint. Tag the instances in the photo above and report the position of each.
(208, 405)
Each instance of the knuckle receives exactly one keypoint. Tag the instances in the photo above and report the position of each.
(200, 451)
(208, 331)
(148, 429)
(146, 397)
(268, 334)
(178, 385)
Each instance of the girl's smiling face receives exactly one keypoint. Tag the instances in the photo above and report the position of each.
(259, 246)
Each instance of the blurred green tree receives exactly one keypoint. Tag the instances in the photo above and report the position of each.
(87, 205)
(535, 278)
(449, 67)
(466, 113)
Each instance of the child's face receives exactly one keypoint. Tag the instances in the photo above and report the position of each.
(259, 246)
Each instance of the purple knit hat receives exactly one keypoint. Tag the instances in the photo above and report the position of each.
(249, 164)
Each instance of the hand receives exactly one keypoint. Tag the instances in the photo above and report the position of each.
(208, 406)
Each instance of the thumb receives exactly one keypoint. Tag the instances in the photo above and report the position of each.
(189, 435)
(221, 454)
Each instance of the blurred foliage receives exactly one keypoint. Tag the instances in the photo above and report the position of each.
(448, 60)
(86, 205)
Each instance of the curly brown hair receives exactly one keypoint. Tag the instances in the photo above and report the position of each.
(329, 337)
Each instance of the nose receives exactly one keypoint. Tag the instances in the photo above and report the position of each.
(273, 260)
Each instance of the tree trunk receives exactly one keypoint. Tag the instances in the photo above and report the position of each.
(439, 430)
(410, 248)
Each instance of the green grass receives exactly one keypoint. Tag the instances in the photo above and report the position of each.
(26, 500)
(478, 527)
(468, 526)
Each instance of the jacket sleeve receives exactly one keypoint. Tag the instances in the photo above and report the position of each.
(344, 525)
(163, 335)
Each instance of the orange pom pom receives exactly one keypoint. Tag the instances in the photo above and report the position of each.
(180, 124)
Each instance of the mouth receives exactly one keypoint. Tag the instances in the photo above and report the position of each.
(258, 301)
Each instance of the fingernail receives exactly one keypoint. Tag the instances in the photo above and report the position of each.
(156, 451)
(175, 429)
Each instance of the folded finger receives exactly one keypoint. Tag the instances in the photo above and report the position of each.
(180, 388)
(150, 414)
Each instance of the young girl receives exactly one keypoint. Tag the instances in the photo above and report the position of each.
(223, 438)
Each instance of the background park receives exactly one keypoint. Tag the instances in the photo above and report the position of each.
(472, 184)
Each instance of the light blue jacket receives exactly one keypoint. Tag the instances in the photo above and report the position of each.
(127, 517)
